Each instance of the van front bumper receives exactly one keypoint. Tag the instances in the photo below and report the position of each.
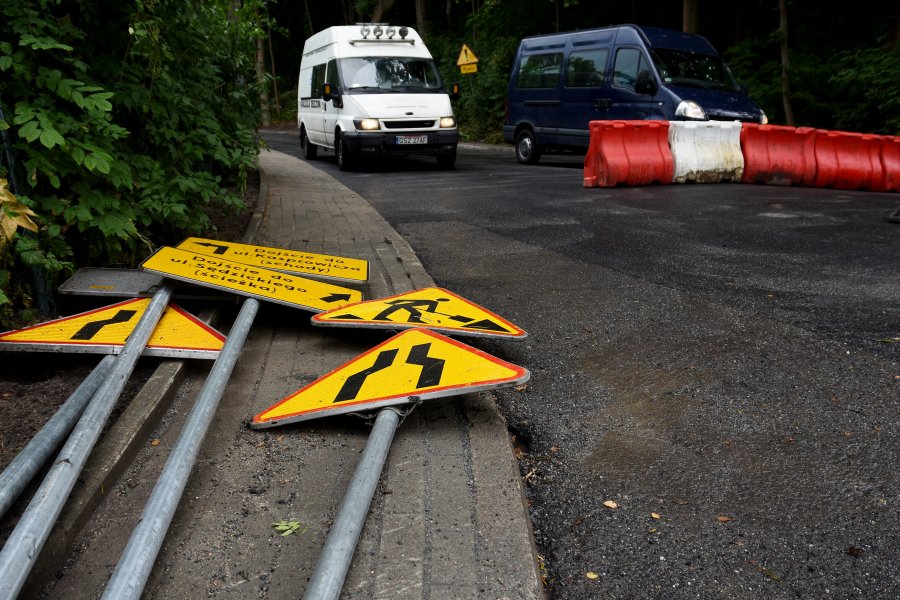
(391, 143)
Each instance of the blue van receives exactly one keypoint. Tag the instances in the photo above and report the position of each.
(561, 82)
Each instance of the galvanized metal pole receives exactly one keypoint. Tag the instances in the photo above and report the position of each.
(19, 473)
(334, 561)
(21, 550)
(137, 559)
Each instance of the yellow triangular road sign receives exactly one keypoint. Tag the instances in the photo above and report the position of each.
(435, 308)
(466, 57)
(105, 330)
(414, 365)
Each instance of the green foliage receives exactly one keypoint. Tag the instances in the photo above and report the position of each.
(126, 121)
(863, 81)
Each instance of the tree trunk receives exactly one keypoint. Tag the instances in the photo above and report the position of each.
(690, 16)
(277, 98)
(261, 80)
(381, 9)
(785, 64)
(422, 17)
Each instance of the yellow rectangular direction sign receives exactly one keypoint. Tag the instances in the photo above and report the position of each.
(473, 68)
(280, 259)
(247, 280)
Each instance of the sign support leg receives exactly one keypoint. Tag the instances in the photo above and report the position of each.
(334, 561)
(25, 543)
(136, 562)
(29, 461)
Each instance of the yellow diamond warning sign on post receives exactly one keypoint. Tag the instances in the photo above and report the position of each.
(247, 280)
(414, 365)
(105, 331)
(434, 308)
(279, 259)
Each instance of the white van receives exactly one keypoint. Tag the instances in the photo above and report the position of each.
(373, 89)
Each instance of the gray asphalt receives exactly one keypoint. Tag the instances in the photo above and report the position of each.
(721, 361)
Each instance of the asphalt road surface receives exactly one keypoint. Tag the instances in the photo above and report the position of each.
(713, 411)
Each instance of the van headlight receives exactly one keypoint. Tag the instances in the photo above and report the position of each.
(448, 122)
(688, 109)
(763, 119)
(366, 124)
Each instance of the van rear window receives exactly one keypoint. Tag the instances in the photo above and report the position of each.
(539, 70)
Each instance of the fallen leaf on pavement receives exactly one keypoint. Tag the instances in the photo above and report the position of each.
(724, 519)
(154, 442)
(611, 504)
(286, 527)
(591, 575)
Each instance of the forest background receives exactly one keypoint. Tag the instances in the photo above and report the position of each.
(125, 123)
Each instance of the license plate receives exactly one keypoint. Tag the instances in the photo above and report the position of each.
(412, 139)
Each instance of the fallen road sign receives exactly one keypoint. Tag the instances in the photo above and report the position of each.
(247, 280)
(433, 308)
(178, 334)
(279, 259)
(412, 366)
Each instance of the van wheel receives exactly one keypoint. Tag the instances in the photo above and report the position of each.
(344, 159)
(446, 161)
(310, 150)
(527, 150)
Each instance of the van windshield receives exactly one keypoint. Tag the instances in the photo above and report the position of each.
(692, 69)
(387, 74)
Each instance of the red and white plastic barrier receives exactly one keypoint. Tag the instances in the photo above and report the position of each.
(778, 155)
(645, 152)
(629, 153)
(706, 151)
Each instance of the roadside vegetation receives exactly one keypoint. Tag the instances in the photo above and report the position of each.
(123, 123)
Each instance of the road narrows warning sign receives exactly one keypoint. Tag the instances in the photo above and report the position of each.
(414, 365)
(433, 308)
(280, 259)
(105, 331)
(248, 280)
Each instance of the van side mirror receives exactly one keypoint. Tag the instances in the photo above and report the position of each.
(329, 93)
(645, 84)
(454, 91)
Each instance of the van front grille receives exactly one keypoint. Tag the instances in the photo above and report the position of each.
(409, 124)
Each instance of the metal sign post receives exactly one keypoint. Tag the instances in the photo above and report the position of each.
(137, 560)
(24, 544)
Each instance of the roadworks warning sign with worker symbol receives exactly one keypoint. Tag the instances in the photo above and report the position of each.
(247, 280)
(280, 259)
(178, 334)
(413, 365)
(434, 308)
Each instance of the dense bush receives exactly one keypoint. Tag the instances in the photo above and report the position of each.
(121, 123)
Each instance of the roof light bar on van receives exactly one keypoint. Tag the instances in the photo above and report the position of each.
(382, 29)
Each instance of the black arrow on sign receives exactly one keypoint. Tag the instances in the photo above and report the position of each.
(91, 329)
(354, 383)
(335, 297)
(432, 368)
(219, 249)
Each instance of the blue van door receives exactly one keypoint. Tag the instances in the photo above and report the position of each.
(585, 95)
(625, 101)
(538, 83)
